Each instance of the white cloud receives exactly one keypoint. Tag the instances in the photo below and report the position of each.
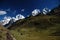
(3, 12)
(35, 12)
(23, 10)
(8, 9)
(46, 10)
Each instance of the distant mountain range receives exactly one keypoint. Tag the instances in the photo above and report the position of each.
(37, 13)
(8, 20)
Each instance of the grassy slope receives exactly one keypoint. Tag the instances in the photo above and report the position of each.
(3, 32)
(36, 28)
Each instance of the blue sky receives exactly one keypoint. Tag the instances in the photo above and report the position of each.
(25, 7)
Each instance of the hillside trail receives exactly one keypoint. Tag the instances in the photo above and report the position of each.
(9, 36)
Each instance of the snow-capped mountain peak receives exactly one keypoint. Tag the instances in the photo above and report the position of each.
(45, 11)
(35, 12)
(7, 19)
(19, 16)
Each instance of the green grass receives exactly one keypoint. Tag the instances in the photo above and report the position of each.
(36, 28)
(3, 32)
(35, 34)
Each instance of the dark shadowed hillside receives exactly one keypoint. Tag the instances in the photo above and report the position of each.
(40, 27)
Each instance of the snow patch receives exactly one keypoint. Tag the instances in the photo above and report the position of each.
(35, 12)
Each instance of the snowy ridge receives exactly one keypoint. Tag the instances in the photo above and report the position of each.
(46, 10)
(35, 12)
(7, 19)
